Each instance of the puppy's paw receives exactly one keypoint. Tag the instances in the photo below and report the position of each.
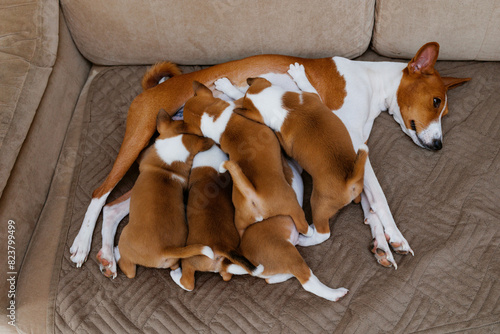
(107, 263)
(223, 85)
(176, 277)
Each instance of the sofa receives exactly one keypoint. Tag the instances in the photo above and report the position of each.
(69, 71)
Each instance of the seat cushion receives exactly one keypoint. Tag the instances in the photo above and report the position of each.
(445, 203)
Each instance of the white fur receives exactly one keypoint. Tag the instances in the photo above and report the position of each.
(236, 269)
(212, 128)
(269, 104)
(81, 245)
(315, 239)
(210, 158)
(278, 278)
(171, 149)
(176, 277)
(116, 252)
(112, 216)
(297, 182)
(208, 252)
(314, 285)
(298, 74)
(225, 86)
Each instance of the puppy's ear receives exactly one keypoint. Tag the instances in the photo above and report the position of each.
(250, 81)
(251, 114)
(186, 128)
(206, 144)
(201, 90)
(163, 121)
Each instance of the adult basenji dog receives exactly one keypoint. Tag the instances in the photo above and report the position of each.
(156, 233)
(312, 135)
(356, 91)
(271, 243)
(210, 215)
(260, 189)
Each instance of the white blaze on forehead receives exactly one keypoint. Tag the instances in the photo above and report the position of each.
(269, 104)
(212, 128)
(434, 130)
(210, 158)
(171, 149)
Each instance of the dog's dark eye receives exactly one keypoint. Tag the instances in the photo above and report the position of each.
(437, 102)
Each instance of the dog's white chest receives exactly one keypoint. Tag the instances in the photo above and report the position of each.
(171, 149)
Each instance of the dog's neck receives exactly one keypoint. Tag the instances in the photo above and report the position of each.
(377, 80)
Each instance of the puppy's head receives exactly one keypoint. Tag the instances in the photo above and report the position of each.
(422, 98)
(248, 109)
(203, 102)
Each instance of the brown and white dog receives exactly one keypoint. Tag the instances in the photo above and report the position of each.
(156, 233)
(271, 243)
(210, 215)
(357, 92)
(260, 189)
(312, 135)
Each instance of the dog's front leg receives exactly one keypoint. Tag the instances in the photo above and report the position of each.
(382, 224)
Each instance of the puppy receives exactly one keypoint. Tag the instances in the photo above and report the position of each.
(210, 215)
(271, 243)
(156, 233)
(260, 189)
(317, 139)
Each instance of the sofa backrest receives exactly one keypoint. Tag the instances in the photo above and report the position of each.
(203, 32)
(465, 29)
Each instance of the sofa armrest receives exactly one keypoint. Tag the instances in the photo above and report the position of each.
(30, 178)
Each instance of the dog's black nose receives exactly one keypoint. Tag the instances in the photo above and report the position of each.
(437, 144)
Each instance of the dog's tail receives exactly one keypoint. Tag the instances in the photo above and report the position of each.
(241, 182)
(239, 264)
(188, 251)
(355, 182)
(157, 72)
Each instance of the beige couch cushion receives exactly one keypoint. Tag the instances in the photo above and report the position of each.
(192, 32)
(28, 46)
(466, 30)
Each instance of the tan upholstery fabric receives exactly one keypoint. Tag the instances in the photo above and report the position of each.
(206, 32)
(26, 191)
(466, 29)
(28, 45)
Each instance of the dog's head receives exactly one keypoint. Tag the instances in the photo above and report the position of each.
(422, 98)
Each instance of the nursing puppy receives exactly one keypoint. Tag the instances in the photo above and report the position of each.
(210, 215)
(271, 243)
(260, 189)
(156, 233)
(315, 137)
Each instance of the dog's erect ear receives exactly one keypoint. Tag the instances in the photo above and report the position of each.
(201, 90)
(163, 120)
(425, 59)
(451, 82)
(251, 114)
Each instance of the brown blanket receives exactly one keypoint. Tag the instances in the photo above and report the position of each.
(446, 204)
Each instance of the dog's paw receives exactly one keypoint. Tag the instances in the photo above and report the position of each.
(223, 85)
(297, 71)
(315, 238)
(399, 243)
(107, 263)
(176, 277)
(80, 249)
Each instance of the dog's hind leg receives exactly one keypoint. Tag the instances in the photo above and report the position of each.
(113, 213)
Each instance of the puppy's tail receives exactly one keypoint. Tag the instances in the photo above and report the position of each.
(241, 182)
(355, 182)
(157, 72)
(188, 251)
(237, 264)
(244, 265)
